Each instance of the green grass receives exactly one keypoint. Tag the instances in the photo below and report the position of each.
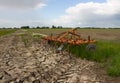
(28, 39)
(6, 31)
(106, 52)
(114, 68)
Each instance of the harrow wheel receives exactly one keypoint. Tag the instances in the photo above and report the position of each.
(49, 42)
(91, 47)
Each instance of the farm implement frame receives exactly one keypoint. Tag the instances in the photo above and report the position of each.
(71, 38)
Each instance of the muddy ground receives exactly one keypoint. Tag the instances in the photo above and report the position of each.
(38, 63)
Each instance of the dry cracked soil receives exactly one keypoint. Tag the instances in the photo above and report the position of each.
(38, 63)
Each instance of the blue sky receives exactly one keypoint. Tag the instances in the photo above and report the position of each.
(68, 13)
(57, 7)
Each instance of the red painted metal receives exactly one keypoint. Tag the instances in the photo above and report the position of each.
(70, 37)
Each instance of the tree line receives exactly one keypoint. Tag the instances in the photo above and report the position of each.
(43, 27)
(56, 27)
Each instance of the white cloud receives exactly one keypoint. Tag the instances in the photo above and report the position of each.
(105, 14)
(31, 23)
(7, 23)
(22, 4)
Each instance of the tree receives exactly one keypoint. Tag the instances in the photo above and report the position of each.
(59, 27)
(25, 27)
(38, 27)
(53, 26)
(45, 27)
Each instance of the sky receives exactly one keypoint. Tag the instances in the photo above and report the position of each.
(66, 13)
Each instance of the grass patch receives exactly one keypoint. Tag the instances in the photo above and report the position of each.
(6, 31)
(103, 51)
(26, 39)
(114, 68)
(106, 52)
(36, 38)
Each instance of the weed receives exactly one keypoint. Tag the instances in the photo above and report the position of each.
(6, 31)
(114, 68)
